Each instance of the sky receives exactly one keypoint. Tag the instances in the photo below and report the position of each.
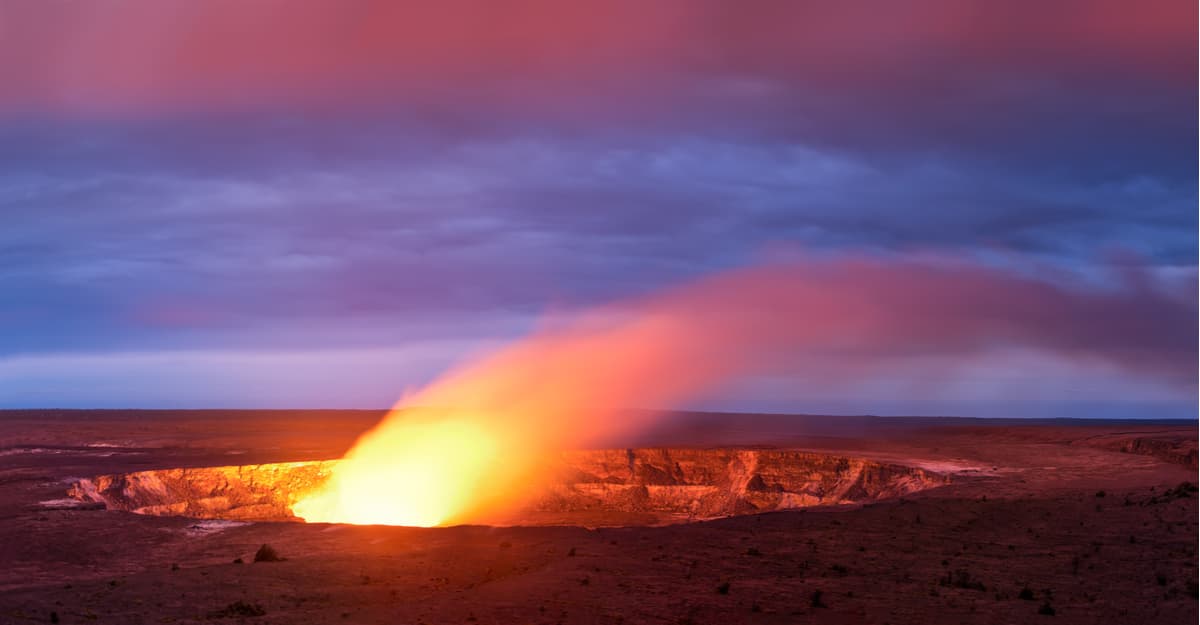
(327, 204)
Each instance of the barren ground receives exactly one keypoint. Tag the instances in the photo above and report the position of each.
(1083, 518)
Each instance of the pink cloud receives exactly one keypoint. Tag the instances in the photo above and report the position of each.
(167, 57)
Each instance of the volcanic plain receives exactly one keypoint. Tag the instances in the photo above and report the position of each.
(160, 516)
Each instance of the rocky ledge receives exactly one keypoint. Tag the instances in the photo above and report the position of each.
(674, 483)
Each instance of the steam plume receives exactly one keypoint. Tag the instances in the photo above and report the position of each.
(484, 427)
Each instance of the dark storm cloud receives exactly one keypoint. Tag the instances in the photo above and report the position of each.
(515, 224)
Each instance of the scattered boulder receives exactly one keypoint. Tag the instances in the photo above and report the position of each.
(267, 553)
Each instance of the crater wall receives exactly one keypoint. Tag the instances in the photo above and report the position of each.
(665, 482)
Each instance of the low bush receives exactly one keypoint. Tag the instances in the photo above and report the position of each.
(961, 578)
(238, 609)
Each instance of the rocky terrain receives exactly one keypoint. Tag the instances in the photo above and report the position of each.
(670, 484)
(709, 483)
(1052, 522)
(1167, 446)
(255, 492)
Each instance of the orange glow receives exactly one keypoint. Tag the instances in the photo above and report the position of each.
(472, 448)
(409, 474)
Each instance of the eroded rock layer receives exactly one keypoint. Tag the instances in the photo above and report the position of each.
(253, 492)
(687, 483)
(705, 483)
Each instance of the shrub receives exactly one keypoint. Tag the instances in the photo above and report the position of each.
(1046, 609)
(723, 588)
(1026, 594)
(1182, 490)
(238, 609)
(816, 599)
(961, 578)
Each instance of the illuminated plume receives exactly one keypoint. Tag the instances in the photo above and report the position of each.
(474, 445)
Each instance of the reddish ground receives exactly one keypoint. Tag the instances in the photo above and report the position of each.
(1084, 519)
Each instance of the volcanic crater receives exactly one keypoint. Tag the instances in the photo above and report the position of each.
(608, 487)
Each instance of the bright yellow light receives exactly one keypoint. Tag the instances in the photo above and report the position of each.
(477, 449)
(405, 473)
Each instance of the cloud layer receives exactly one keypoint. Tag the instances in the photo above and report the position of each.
(323, 176)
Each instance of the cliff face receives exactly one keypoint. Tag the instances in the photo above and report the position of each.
(687, 483)
(250, 492)
(1178, 452)
(701, 483)
(1176, 447)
